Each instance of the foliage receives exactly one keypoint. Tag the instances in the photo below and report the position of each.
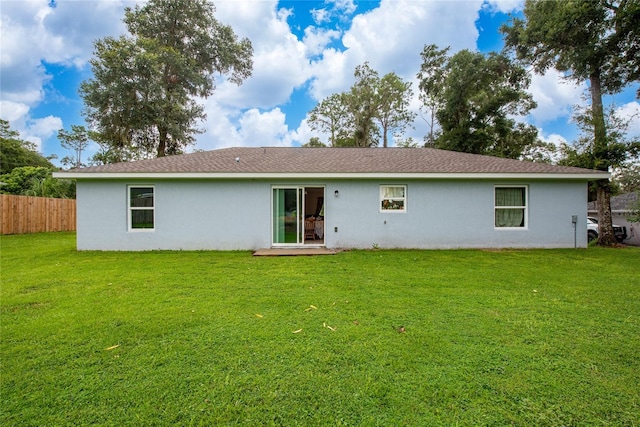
(634, 216)
(628, 177)
(51, 187)
(20, 179)
(206, 338)
(362, 103)
(373, 106)
(594, 41)
(619, 148)
(473, 97)
(314, 142)
(15, 152)
(407, 143)
(431, 77)
(142, 100)
(331, 116)
(394, 96)
(36, 181)
(75, 140)
(25, 172)
(540, 152)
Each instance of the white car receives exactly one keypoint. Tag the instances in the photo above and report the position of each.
(592, 230)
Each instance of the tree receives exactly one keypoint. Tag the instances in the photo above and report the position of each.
(20, 179)
(51, 187)
(634, 215)
(15, 152)
(432, 76)
(473, 97)
(407, 143)
(77, 141)
(628, 177)
(362, 104)
(371, 107)
(36, 181)
(142, 99)
(394, 97)
(331, 116)
(581, 152)
(314, 142)
(594, 41)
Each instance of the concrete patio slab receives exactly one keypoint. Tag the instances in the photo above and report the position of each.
(294, 252)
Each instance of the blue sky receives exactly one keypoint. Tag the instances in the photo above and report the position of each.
(304, 51)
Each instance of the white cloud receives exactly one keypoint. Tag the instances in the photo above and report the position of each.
(317, 39)
(505, 6)
(41, 129)
(33, 130)
(391, 38)
(630, 112)
(340, 9)
(45, 127)
(21, 53)
(553, 138)
(73, 38)
(251, 128)
(13, 112)
(253, 19)
(344, 6)
(263, 129)
(556, 140)
(303, 134)
(280, 61)
(32, 32)
(330, 74)
(555, 96)
(320, 16)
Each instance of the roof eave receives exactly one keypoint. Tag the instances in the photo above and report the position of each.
(333, 175)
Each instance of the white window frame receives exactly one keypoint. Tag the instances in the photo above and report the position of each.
(382, 199)
(130, 209)
(525, 208)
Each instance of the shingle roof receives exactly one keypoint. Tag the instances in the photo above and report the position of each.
(620, 202)
(279, 160)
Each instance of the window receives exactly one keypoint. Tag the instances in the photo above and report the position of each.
(393, 198)
(141, 208)
(511, 207)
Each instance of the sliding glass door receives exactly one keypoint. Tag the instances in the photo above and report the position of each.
(298, 215)
(287, 215)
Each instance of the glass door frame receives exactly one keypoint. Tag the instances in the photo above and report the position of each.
(300, 209)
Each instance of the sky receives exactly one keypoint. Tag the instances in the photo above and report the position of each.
(304, 51)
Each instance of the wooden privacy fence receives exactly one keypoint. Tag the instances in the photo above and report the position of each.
(24, 214)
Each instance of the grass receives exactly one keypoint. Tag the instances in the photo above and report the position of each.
(541, 337)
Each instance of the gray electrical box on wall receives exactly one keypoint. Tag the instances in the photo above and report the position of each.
(574, 219)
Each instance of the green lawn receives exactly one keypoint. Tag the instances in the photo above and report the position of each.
(542, 337)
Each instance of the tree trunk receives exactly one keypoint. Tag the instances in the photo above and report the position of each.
(605, 225)
(162, 142)
(384, 133)
(605, 233)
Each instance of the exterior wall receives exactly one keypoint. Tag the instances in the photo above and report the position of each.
(236, 215)
(455, 214)
(189, 215)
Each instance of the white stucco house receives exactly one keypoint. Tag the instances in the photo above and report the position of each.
(252, 198)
